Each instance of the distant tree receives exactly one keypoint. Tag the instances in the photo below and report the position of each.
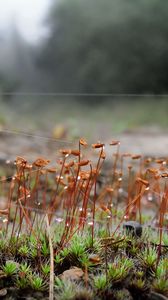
(17, 68)
(7, 86)
(109, 46)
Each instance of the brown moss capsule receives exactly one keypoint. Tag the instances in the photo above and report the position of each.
(153, 171)
(109, 189)
(105, 208)
(98, 145)
(83, 142)
(83, 163)
(20, 160)
(164, 175)
(126, 154)
(75, 152)
(94, 258)
(159, 161)
(4, 212)
(148, 160)
(114, 143)
(65, 151)
(136, 156)
(41, 162)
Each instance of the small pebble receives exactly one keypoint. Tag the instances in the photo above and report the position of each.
(133, 227)
(72, 274)
(3, 292)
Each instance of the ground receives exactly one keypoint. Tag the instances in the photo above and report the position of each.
(149, 142)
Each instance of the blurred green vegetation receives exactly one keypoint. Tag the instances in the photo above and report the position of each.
(104, 119)
(109, 46)
(93, 46)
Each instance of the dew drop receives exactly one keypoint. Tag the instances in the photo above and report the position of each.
(5, 220)
(59, 220)
(150, 197)
(166, 216)
(147, 188)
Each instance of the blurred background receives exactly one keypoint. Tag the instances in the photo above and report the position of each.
(92, 68)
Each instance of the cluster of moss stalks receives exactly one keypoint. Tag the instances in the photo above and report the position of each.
(84, 253)
(120, 267)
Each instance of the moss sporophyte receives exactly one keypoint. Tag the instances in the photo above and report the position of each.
(86, 227)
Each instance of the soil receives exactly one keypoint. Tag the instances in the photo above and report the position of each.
(149, 142)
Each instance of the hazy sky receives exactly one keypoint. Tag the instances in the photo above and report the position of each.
(27, 14)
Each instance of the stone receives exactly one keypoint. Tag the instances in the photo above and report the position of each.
(3, 292)
(134, 228)
(72, 274)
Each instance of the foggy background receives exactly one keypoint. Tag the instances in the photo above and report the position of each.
(84, 67)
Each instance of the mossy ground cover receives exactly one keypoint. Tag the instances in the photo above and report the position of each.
(65, 231)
